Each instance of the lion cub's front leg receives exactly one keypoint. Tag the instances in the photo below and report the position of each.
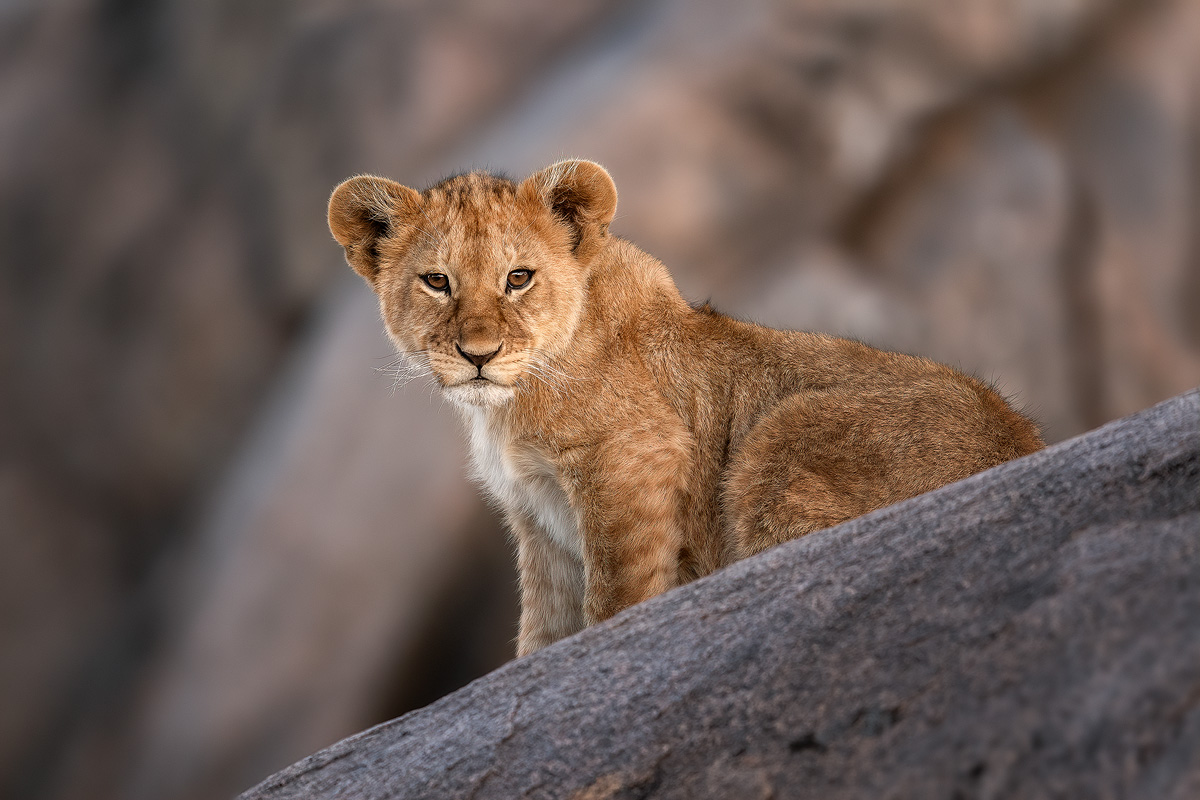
(629, 562)
(551, 581)
(630, 498)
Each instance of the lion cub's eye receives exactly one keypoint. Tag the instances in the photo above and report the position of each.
(519, 278)
(436, 281)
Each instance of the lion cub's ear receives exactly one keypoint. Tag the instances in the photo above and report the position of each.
(364, 210)
(581, 193)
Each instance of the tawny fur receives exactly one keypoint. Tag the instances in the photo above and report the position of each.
(633, 442)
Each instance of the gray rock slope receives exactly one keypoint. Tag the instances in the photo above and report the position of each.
(1033, 631)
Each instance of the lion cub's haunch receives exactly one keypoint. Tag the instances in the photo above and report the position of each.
(634, 442)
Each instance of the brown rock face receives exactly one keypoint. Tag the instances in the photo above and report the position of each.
(1028, 632)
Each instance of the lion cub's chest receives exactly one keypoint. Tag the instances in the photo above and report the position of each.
(523, 481)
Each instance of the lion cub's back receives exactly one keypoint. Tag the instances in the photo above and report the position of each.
(860, 429)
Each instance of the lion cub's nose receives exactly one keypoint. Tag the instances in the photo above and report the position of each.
(478, 359)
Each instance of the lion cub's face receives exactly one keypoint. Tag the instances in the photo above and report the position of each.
(480, 279)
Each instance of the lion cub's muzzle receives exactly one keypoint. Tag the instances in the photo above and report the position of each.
(492, 389)
(478, 359)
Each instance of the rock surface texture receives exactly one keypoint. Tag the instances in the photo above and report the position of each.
(1028, 632)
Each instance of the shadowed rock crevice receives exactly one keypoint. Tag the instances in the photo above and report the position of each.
(1027, 632)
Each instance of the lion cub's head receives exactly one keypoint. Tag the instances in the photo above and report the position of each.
(481, 279)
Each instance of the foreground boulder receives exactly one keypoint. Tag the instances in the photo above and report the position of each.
(1033, 631)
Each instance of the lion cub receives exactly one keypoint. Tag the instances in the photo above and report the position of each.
(635, 442)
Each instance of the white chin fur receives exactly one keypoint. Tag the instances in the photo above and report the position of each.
(478, 394)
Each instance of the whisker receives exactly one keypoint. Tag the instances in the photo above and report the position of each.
(544, 362)
(553, 380)
(406, 367)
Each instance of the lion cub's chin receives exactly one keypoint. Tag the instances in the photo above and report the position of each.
(478, 394)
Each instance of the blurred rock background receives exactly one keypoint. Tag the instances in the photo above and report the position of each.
(228, 542)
